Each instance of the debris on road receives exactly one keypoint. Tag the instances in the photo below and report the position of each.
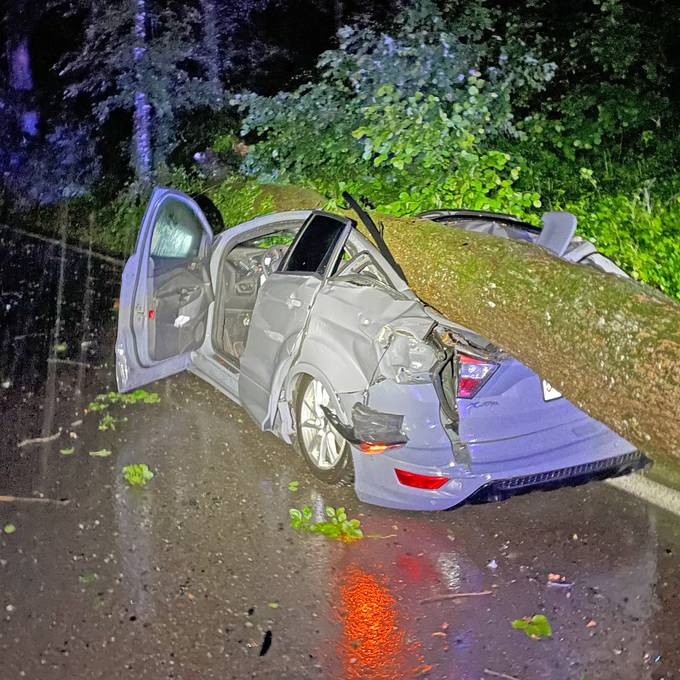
(536, 626)
(454, 596)
(40, 440)
(137, 474)
(31, 499)
(495, 674)
(266, 643)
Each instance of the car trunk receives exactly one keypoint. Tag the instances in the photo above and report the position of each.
(511, 418)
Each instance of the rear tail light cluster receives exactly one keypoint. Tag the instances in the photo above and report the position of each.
(472, 374)
(430, 482)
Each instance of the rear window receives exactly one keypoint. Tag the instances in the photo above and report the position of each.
(177, 231)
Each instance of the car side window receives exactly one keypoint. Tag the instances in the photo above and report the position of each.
(177, 232)
(314, 247)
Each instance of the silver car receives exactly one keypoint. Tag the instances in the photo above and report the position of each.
(314, 331)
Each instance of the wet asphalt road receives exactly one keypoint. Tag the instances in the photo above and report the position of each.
(199, 574)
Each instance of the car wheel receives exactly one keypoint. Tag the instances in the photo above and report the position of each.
(327, 453)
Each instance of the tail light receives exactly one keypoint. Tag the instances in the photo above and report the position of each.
(472, 374)
(430, 482)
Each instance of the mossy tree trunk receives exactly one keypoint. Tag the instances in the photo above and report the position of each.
(610, 345)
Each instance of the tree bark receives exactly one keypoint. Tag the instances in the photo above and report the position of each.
(20, 71)
(142, 151)
(609, 344)
(211, 49)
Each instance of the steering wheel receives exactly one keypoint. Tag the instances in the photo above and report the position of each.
(271, 259)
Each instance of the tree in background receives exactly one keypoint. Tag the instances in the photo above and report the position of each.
(141, 56)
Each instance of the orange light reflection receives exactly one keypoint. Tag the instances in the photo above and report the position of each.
(373, 645)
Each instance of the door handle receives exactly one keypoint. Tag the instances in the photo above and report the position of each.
(292, 302)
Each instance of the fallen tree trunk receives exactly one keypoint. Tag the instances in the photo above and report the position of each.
(610, 345)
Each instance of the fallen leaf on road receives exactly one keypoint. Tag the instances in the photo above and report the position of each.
(536, 627)
(102, 453)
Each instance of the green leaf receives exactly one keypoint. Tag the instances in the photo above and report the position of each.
(295, 514)
(293, 486)
(101, 453)
(306, 513)
(330, 511)
(137, 474)
(535, 627)
(67, 452)
(88, 579)
(273, 605)
(9, 528)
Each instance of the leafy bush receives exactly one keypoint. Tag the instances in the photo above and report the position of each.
(462, 108)
(402, 119)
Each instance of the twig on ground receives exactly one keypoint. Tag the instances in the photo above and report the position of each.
(30, 499)
(454, 596)
(381, 536)
(71, 362)
(495, 674)
(40, 440)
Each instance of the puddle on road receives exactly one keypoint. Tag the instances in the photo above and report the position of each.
(177, 579)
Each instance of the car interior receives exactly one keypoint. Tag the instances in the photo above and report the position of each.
(242, 272)
(180, 289)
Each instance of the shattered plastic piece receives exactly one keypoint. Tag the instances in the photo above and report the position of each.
(492, 564)
(181, 320)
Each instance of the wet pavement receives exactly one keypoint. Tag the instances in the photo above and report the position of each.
(199, 575)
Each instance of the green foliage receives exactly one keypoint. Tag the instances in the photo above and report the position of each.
(67, 451)
(643, 239)
(401, 119)
(108, 422)
(136, 396)
(88, 579)
(469, 107)
(293, 486)
(137, 474)
(536, 626)
(338, 526)
(9, 528)
(238, 201)
(118, 64)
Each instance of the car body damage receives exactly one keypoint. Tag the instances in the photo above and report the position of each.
(312, 328)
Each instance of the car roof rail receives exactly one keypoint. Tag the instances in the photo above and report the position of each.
(558, 230)
(442, 215)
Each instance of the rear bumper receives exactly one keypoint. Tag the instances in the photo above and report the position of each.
(602, 455)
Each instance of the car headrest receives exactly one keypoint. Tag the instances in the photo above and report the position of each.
(558, 230)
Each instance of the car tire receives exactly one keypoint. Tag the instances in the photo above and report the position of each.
(327, 454)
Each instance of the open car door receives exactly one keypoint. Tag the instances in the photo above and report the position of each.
(282, 310)
(165, 292)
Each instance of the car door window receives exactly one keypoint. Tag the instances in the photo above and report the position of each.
(177, 232)
(314, 248)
